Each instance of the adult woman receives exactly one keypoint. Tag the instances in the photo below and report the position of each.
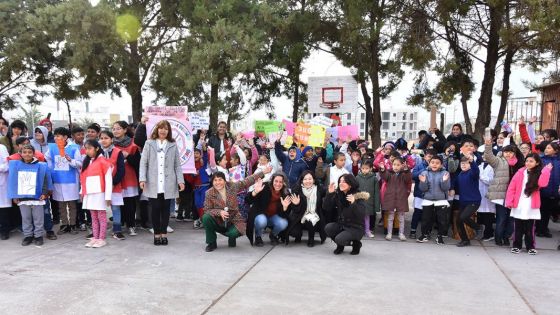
(309, 213)
(271, 204)
(220, 141)
(129, 183)
(17, 128)
(221, 210)
(160, 173)
(350, 207)
(456, 133)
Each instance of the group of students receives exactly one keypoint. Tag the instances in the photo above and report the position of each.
(244, 186)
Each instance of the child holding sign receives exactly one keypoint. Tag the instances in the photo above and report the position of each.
(64, 161)
(28, 185)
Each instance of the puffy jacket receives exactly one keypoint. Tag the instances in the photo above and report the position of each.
(516, 188)
(292, 168)
(499, 185)
(551, 190)
(418, 169)
(435, 188)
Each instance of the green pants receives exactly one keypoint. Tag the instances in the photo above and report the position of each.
(212, 227)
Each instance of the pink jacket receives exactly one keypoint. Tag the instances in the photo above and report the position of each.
(515, 189)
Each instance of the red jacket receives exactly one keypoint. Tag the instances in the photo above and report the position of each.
(97, 168)
(113, 159)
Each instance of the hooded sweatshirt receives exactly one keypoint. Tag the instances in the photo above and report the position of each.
(292, 168)
(43, 146)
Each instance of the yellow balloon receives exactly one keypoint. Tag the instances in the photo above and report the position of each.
(128, 27)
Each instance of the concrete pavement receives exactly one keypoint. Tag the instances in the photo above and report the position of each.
(135, 277)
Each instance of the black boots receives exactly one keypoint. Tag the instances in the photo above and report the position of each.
(232, 242)
(339, 249)
(211, 247)
(259, 241)
(356, 245)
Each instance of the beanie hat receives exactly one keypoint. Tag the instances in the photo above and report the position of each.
(307, 148)
(42, 122)
(389, 144)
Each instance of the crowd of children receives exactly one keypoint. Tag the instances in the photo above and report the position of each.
(496, 190)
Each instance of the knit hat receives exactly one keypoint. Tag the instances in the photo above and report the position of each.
(364, 144)
(42, 122)
(307, 148)
(390, 144)
(401, 144)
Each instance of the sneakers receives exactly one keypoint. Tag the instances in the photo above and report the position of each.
(27, 241)
(273, 239)
(422, 239)
(151, 230)
(132, 231)
(439, 240)
(38, 241)
(412, 235)
(169, 229)
(488, 239)
(532, 251)
(402, 237)
(83, 227)
(464, 244)
(89, 236)
(232, 242)
(197, 224)
(73, 230)
(179, 218)
(389, 236)
(369, 234)
(51, 236)
(118, 236)
(4, 236)
(515, 250)
(99, 244)
(63, 229)
(91, 243)
(259, 241)
(189, 217)
(480, 232)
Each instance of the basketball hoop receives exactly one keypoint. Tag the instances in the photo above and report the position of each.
(332, 97)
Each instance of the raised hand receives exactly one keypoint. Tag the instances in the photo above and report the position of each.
(422, 178)
(320, 160)
(351, 199)
(549, 166)
(446, 176)
(267, 170)
(286, 202)
(295, 199)
(332, 188)
(258, 186)
(521, 120)
(533, 120)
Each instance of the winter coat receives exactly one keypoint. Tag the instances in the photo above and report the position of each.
(551, 190)
(351, 216)
(149, 170)
(214, 204)
(370, 184)
(435, 188)
(516, 188)
(418, 169)
(397, 191)
(292, 168)
(468, 185)
(499, 185)
(297, 212)
(41, 147)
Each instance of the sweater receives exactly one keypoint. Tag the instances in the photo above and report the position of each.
(468, 185)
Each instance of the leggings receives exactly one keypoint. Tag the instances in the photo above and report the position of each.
(99, 224)
(160, 214)
(391, 218)
(129, 212)
(341, 235)
(487, 219)
(524, 228)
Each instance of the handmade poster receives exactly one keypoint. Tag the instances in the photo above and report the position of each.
(332, 133)
(345, 131)
(199, 121)
(317, 136)
(289, 126)
(181, 131)
(321, 121)
(27, 183)
(289, 141)
(61, 163)
(301, 134)
(249, 134)
(267, 126)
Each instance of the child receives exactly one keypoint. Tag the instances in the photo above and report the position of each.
(65, 172)
(418, 194)
(368, 182)
(201, 183)
(39, 141)
(218, 163)
(469, 200)
(93, 131)
(487, 209)
(333, 173)
(115, 156)
(83, 220)
(435, 184)
(97, 189)
(397, 181)
(524, 199)
(28, 185)
(20, 142)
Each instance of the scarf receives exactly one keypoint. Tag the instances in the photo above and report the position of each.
(310, 214)
(123, 142)
(512, 161)
(107, 151)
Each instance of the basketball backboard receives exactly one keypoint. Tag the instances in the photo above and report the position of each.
(332, 94)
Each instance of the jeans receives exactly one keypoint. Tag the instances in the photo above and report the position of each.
(48, 219)
(504, 223)
(277, 223)
(416, 218)
(117, 226)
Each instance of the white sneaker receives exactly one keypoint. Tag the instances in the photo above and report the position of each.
(99, 243)
(91, 243)
(389, 237)
(369, 234)
(83, 227)
(197, 224)
(402, 237)
(132, 231)
(151, 230)
(169, 229)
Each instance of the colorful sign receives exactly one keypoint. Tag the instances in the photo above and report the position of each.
(345, 131)
(317, 136)
(321, 121)
(199, 121)
(267, 126)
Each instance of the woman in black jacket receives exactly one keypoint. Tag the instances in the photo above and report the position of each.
(309, 213)
(350, 207)
(271, 204)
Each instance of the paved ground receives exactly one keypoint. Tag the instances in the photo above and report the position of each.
(134, 277)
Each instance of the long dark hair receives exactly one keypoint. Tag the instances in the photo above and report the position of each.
(284, 191)
(15, 124)
(354, 186)
(302, 176)
(124, 125)
(518, 155)
(96, 146)
(534, 174)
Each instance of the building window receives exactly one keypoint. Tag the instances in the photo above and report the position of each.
(411, 116)
(362, 126)
(348, 123)
(393, 134)
(386, 115)
(361, 134)
(363, 116)
(348, 116)
(394, 125)
(411, 135)
(394, 114)
(411, 126)
(403, 126)
(386, 134)
(385, 125)
(403, 116)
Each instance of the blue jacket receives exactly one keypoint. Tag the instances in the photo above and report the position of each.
(551, 191)
(292, 168)
(467, 183)
(418, 169)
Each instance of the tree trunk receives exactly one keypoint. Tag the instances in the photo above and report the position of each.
(464, 99)
(214, 106)
(505, 87)
(367, 105)
(134, 86)
(295, 112)
(487, 87)
(375, 131)
(69, 114)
